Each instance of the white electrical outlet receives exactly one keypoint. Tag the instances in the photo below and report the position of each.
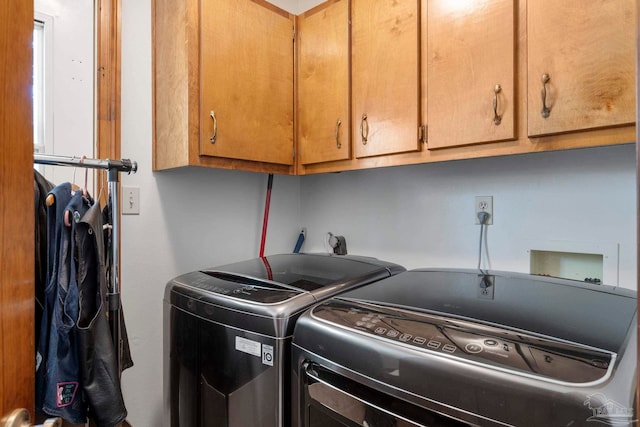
(130, 201)
(484, 204)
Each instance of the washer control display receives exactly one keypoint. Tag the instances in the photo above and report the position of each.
(499, 347)
(240, 287)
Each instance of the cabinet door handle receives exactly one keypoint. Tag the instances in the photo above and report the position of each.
(497, 118)
(546, 111)
(364, 129)
(338, 143)
(214, 136)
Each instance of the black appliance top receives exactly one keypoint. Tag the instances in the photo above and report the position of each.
(251, 294)
(305, 272)
(593, 315)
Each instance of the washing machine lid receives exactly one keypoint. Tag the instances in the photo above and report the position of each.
(307, 272)
(593, 315)
(266, 295)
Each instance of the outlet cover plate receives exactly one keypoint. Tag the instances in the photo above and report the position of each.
(486, 286)
(484, 204)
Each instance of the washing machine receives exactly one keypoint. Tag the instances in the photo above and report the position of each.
(227, 334)
(445, 347)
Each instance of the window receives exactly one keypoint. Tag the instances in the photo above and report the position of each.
(42, 67)
(38, 87)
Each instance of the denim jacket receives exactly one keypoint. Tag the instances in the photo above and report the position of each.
(59, 392)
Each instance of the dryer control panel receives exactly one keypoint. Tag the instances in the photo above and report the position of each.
(515, 351)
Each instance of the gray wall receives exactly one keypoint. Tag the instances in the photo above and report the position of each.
(416, 215)
(423, 215)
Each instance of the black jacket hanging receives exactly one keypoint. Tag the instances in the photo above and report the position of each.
(99, 373)
(41, 186)
(125, 352)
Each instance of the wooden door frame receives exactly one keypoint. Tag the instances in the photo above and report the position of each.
(637, 403)
(108, 45)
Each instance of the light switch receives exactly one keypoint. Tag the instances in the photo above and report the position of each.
(130, 201)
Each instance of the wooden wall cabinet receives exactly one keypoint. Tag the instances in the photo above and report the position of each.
(324, 119)
(470, 72)
(372, 77)
(369, 73)
(223, 85)
(385, 76)
(587, 57)
(466, 49)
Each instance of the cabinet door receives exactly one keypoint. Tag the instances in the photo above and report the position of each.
(323, 83)
(587, 50)
(246, 81)
(470, 72)
(385, 74)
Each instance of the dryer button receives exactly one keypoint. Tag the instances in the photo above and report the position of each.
(433, 344)
(448, 348)
(473, 348)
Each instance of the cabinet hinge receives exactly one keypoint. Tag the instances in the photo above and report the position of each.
(422, 134)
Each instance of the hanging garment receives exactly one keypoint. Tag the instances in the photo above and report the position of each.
(41, 187)
(61, 394)
(125, 354)
(60, 196)
(76, 371)
(99, 372)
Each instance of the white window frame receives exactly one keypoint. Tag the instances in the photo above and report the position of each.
(43, 58)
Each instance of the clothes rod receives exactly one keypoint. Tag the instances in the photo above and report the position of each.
(123, 165)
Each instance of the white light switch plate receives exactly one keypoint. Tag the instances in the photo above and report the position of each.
(130, 201)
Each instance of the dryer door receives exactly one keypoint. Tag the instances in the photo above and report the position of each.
(331, 400)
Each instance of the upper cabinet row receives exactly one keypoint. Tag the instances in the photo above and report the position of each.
(381, 83)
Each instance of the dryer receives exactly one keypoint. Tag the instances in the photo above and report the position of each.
(445, 347)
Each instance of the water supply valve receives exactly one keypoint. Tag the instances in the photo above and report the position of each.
(338, 244)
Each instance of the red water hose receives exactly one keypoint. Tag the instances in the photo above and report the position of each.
(265, 221)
